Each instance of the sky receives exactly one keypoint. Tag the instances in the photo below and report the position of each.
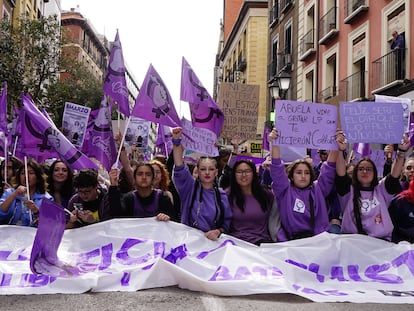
(160, 33)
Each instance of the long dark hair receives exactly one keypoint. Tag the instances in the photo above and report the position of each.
(41, 184)
(357, 191)
(67, 187)
(258, 190)
(291, 169)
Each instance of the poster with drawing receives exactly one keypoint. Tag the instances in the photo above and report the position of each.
(137, 133)
(74, 123)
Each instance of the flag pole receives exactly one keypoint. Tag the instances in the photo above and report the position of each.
(5, 159)
(27, 185)
(115, 165)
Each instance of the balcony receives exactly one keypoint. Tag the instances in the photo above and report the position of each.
(327, 93)
(285, 5)
(307, 45)
(388, 70)
(274, 15)
(354, 9)
(354, 86)
(328, 27)
(272, 70)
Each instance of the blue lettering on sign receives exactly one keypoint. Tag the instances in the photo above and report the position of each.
(78, 108)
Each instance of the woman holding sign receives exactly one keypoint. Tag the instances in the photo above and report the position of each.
(363, 198)
(203, 204)
(301, 198)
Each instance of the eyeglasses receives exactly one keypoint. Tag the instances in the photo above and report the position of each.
(85, 191)
(244, 173)
(365, 169)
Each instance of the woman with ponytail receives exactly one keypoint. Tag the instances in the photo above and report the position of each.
(203, 204)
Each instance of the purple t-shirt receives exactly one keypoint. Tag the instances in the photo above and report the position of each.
(252, 225)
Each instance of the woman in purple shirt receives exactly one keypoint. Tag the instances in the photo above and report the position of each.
(255, 215)
(203, 205)
(364, 200)
(301, 200)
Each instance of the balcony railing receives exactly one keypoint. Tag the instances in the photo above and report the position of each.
(388, 69)
(285, 5)
(328, 26)
(354, 86)
(274, 14)
(285, 60)
(353, 9)
(272, 70)
(241, 62)
(327, 93)
(307, 45)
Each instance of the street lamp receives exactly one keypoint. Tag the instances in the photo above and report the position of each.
(284, 82)
(274, 89)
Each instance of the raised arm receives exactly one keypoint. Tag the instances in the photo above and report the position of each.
(340, 160)
(274, 134)
(178, 149)
(398, 163)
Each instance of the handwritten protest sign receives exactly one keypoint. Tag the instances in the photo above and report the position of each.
(239, 103)
(372, 122)
(202, 140)
(406, 104)
(305, 124)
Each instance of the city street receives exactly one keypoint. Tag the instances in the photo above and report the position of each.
(173, 298)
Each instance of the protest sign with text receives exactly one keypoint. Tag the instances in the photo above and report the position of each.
(372, 122)
(74, 123)
(306, 124)
(239, 103)
(202, 140)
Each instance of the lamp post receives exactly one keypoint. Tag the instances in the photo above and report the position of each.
(284, 79)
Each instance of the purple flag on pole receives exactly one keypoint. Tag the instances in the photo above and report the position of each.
(363, 149)
(205, 113)
(68, 152)
(101, 142)
(163, 143)
(115, 82)
(265, 140)
(154, 102)
(3, 109)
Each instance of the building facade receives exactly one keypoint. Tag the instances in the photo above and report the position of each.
(243, 58)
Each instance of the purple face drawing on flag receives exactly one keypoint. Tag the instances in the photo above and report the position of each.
(158, 92)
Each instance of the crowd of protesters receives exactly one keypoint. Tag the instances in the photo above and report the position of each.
(266, 203)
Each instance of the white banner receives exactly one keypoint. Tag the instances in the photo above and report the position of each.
(134, 254)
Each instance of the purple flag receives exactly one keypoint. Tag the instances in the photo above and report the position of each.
(115, 82)
(101, 142)
(154, 102)
(43, 258)
(89, 128)
(163, 145)
(3, 109)
(265, 140)
(363, 149)
(205, 113)
(67, 152)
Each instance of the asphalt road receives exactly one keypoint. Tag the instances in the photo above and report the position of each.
(173, 298)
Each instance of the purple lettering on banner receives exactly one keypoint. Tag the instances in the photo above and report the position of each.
(242, 273)
(373, 273)
(264, 271)
(353, 271)
(176, 254)
(335, 292)
(32, 280)
(4, 255)
(407, 258)
(313, 267)
(82, 263)
(125, 279)
(307, 290)
(204, 254)
(6, 279)
(337, 272)
(124, 257)
(222, 274)
(106, 261)
(297, 264)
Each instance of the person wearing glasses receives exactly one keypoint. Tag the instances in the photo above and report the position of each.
(363, 198)
(203, 204)
(88, 205)
(301, 198)
(255, 214)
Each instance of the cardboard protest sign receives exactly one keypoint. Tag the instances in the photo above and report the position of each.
(372, 122)
(306, 124)
(239, 103)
